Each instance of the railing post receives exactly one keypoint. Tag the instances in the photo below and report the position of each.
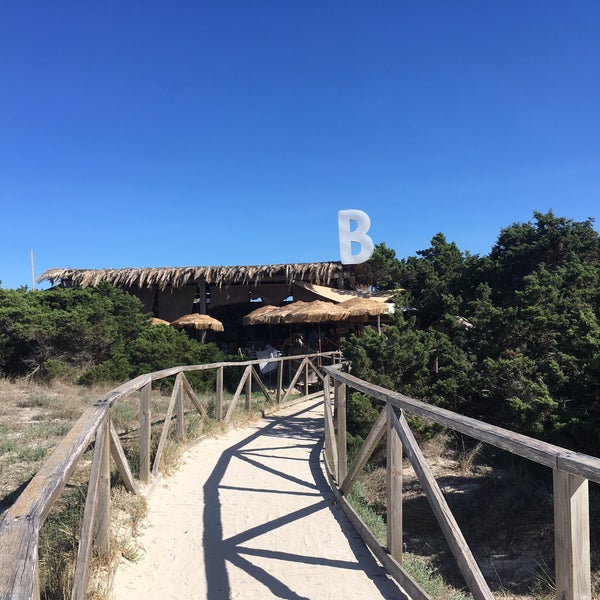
(145, 433)
(219, 395)
(102, 515)
(306, 378)
(571, 537)
(279, 380)
(340, 414)
(249, 391)
(180, 423)
(394, 489)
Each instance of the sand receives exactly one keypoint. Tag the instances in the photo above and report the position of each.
(250, 515)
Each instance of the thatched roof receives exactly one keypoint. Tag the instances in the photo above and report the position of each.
(157, 321)
(316, 311)
(320, 273)
(365, 307)
(198, 321)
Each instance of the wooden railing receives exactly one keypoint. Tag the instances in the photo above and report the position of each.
(571, 472)
(20, 528)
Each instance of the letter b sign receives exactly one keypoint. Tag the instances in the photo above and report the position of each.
(357, 235)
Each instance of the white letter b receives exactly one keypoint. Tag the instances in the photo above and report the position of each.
(358, 235)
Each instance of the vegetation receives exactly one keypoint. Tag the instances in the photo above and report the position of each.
(512, 338)
(89, 335)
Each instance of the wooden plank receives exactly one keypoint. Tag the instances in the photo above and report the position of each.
(458, 545)
(18, 557)
(294, 380)
(237, 394)
(164, 434)
(330, 443)
(571, 537)
(535, 450)
(373, 438)
(80, 579)
(145, 425)
(121, 462)
(408, 585)
(249, 389)
(279, 381)
(261, 385)
(219, 395)
(315, 369)
(342, 444)
(102, 518)
(180, 422)
(192, 396)
(394, 489)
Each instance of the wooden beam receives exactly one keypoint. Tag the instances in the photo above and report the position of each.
(460, 549)
(121, 462)
(102, 517)
(164, 434)
(145, 433)
(571, 537)
(219, 395)
(238, 392)
(192, 396)
(340, 417)
(373, 438)
(180, 422)
(394, 489)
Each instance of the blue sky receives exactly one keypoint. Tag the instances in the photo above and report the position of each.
(137, 134)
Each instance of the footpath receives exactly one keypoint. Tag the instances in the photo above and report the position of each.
(250, 515)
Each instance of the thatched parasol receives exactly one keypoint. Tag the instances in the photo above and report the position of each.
(198, 321)
(260, 315)
(361, 309)
(157, 321)
(364, 307)
(316, 311)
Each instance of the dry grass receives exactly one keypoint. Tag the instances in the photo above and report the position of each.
(34, 419)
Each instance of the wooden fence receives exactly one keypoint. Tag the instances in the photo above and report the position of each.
(20, 528)
(571, 472)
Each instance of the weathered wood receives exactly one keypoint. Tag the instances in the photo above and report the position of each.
(180, 422)
(373, 438)
(262, 387)
(294, 380)
(164, 434)
(516, 443)
(411, 587)
(219, 395)
(192, 396)
(18, 557)
(238, 392)
(249, 389)
(571, 537)
(86, 539)
(315, 369)
(394, 489)
(120, 460)
(458, 545)
(340, 417)
(330, 442)
(145, 433)
(306, 377)
(102, 518)
(279, 381)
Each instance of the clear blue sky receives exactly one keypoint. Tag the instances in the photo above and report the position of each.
(149, 133)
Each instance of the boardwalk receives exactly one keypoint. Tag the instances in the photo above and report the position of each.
(250, 515)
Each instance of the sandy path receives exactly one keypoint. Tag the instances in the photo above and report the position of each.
(250, 515)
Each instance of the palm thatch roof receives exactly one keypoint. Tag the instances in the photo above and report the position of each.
(198, 321)
(316, 311)
(320, 273)
(260, 315)
(157, 321)
(364, 307)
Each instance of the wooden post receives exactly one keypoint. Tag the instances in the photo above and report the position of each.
(145, 423)
(219, 396)
(180, 424)
(306, 378)
(102, 515)
(279, 380)
(571, 537)
(394, 489)
(249, 390)
(340, 417)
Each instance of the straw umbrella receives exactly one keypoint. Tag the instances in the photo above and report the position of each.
(199, 322)
(364, 308)
(157, 321)
(260, 315)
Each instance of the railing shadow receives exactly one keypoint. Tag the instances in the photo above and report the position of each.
(220, 550)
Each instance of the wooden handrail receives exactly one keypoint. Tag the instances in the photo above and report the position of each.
(571, 471)
(20, 528)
